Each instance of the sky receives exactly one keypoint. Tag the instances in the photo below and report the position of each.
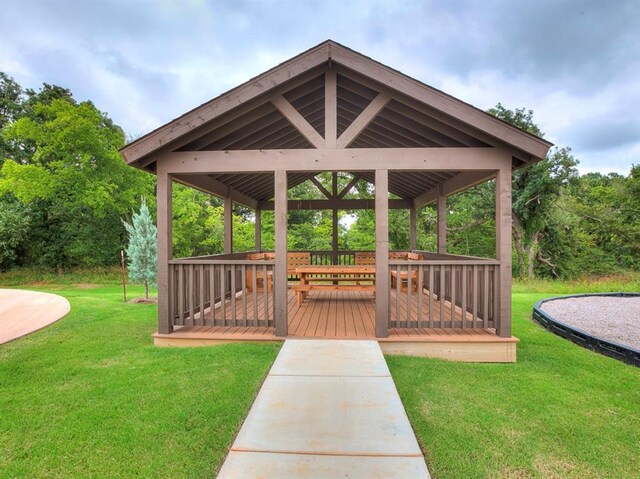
(575, 63)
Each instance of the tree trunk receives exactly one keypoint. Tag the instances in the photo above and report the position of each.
(532, 250)
(518, 235)
(146, 290)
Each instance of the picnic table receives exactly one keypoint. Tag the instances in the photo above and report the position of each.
(341, 277)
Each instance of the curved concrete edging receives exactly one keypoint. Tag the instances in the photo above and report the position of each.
(23, 312)
(621, 352)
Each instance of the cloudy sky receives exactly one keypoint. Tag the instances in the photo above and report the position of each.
(576, 63)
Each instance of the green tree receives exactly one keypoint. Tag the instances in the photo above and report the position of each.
(142, 250)
(536, 189)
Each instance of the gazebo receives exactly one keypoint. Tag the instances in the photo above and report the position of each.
(331, 109)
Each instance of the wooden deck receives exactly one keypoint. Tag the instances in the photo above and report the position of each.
(351, 315)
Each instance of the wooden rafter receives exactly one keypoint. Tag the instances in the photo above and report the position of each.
(322, 189)
(350, 185)
(363, 120)
(298, 121)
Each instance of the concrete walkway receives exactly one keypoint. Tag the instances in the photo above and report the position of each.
(23, 312)
(328, 409)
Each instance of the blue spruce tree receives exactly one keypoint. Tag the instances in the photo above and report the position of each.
(142, 252)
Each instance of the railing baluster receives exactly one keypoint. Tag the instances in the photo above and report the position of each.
(212, 294)
(233, 294)
(265, 296)
(431, 293)
(442, 292)
(419, 290)
(254, 292)
(201, 292)
(475, 295)
(190, 295)
(453, 296)
(243, 278)
(409, 272)
(485, 298)
(223, 295)
(463, 306)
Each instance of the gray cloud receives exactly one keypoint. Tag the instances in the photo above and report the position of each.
(574, 62)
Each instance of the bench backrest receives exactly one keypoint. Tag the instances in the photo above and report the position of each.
(365, 258)
(298, 259)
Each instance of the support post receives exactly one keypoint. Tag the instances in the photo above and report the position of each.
(165, 249)
(334, 241)
(258, 229)
(442, 221)
(280, 270)
(503, 249)
(382, 253)
(228, 224)
(412, 228)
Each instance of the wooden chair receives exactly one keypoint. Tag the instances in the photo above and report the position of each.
(297, 259)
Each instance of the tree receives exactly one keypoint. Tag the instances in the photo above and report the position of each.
(535, 192)
(62, 162)
(142, 251)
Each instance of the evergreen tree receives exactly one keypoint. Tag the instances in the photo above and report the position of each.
(142, 252)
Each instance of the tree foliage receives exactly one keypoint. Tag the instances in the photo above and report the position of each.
(142, 250)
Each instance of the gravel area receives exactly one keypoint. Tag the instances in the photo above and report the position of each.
(607, 317)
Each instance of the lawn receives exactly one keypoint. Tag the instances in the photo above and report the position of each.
(91, 397)
(559, 412)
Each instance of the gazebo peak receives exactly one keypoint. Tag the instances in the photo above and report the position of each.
(333, 97)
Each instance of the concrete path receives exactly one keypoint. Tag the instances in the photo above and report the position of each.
(23, 312)
(328, 409)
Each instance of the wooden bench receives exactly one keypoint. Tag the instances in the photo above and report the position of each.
(404, 275)
(342, 277)
(293, 261)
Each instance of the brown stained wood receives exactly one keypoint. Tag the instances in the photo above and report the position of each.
(298, 121)
(503, 250)
(363, 120)
(280, 269)
(382, 252)
(330, 108)
(165, 249)
(258, 229)
(327, 159)
(442, 220)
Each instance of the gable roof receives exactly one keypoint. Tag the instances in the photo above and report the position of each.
(414, 114)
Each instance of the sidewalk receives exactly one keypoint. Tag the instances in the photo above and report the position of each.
(328, 408)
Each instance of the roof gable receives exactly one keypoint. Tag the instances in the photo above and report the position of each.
(284, 108)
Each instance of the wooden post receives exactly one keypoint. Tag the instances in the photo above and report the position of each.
(442, 221)
(228, 224)
(280, 270)
(330, 109)
(503, 249)
(412, 229)
(165, 249)
(334, 241)
(258, 229)
(382, 253)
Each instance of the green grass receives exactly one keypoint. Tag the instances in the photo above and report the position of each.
(91, 397)
(560, 412)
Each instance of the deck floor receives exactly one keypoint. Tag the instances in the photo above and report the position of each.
(335, 314)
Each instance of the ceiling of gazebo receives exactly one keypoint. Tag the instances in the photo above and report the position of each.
(267, 112)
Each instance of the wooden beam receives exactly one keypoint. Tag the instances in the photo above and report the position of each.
(460, 182)
(363, 120)
(280, 269)
(258, 229)
(382, 254)
(412, 228)
(347, 188)
(334, 217)
(228, 225)
(165, 249)
(322, 189)
(503, 250)
(440, 101)
(298, 121)
(330, 109)
(275, 77)
(442, 220)
(394, 204)
(353, 159)
(215, 187)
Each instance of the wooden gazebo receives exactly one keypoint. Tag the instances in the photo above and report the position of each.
(331, 109)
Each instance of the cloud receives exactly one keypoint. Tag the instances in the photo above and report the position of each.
(574, 62)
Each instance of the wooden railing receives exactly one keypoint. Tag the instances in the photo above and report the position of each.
(224, 291)
(457, 292)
